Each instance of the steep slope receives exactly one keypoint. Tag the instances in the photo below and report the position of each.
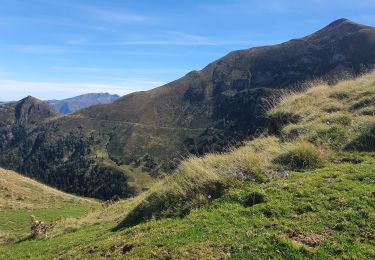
(71, 105)
(306, 191)
(21, 197)
(206, 110)
(206, 98)
(229, 96)
(33, 144)
(308, 131)
(27, 111)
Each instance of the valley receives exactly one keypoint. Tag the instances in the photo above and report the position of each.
(264, 150)
(304, 189)
(210, 110)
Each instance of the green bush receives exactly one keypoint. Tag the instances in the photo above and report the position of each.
(365, 142)
(280, 119)
(303, 156)
(253, 199)
(333, 137)
(364, 102)
(246, 196)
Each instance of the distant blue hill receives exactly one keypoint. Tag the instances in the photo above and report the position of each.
(70, 105)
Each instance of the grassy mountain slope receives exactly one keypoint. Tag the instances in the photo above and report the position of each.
(150, 132)
(303, 190)
(229, 95)
(27, 111)
(35, 144)
(21, 197)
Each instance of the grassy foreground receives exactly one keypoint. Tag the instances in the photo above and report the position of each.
(304, 190)
(21, 197)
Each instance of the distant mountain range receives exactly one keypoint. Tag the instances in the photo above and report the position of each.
(71, 105)
(150, 131)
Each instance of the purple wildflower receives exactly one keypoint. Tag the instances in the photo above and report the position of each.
(209, 197)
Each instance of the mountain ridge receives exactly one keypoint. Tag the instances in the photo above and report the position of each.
(304, 191)
(206, 110)
(73, 104)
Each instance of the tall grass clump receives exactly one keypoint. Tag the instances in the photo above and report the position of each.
(302, 126)
(197, 181)
(365, 142)
(303, 156)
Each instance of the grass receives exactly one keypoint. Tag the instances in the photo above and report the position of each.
(303, 156)
(243, 204)
(326, 213)
(307, 127)
(21, 197)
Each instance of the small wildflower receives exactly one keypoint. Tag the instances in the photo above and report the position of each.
(241, 175)
(328, 122)
(209, 197)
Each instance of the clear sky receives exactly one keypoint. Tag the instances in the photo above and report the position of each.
(54, 49)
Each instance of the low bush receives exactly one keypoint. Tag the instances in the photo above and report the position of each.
(280, 119)
(364, 102)
(303, 156)
(333, 137)
(253, 199)
(247, 196)
(365, 142)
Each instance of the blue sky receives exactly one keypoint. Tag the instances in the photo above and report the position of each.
(54, 49)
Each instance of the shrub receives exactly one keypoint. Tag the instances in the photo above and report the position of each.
(367, 111)
(334, 137)
(246, 196)
(303, 156)
(365, 142)
(280, 119)
(254, 198)
(340, 118)
(340, 95)
(364, 102)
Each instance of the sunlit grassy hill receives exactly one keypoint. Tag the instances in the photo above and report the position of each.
(21, 197)
(304, 189)
(107, 151)
(307, 131)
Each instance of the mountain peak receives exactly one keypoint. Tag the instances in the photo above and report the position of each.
(31, 109)
(339, 22)
(337, 30)
(30, 99)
